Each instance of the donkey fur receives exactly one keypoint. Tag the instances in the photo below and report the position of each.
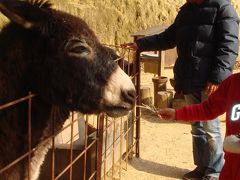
(57, 57)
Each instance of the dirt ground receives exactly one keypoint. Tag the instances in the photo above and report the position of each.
(165, 151)
(165, 148)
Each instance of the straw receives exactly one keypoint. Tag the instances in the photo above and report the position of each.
(153, 109)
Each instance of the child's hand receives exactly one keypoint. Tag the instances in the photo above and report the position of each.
(166, 114)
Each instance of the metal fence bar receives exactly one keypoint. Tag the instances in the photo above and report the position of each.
(12, 103)
(71, 146)
(121, 148)
(99, 145)
(137, 60)
(85, 146)
(113, 147)
(105, 149)
(53, 148)
(29, 134)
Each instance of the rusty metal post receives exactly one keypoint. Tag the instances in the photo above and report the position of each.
(29, 134)
(53, 152)
(138, 72)
(99, 146)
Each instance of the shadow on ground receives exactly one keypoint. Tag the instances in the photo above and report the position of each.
(157, 168)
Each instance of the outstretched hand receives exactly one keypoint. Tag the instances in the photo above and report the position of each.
(131, 45)
(167, 114)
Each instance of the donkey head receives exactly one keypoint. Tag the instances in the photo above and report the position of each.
(68, 66)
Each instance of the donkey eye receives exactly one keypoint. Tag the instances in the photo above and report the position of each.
(79, 49)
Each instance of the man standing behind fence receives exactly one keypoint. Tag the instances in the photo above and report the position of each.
(205, 33)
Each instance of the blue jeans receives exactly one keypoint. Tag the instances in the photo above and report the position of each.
(207, 141)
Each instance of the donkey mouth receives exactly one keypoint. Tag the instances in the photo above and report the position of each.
(117, 111)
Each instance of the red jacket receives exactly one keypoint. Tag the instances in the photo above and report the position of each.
(225, 99)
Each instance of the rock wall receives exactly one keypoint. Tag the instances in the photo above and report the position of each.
(115, 20)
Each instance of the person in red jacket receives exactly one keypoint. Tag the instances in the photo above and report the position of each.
(225, 99)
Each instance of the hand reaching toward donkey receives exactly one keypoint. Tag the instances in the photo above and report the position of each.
(131, 45)
(231, 143)
(167, 114)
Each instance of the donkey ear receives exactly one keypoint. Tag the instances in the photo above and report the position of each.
(28, 13)
(8, 12)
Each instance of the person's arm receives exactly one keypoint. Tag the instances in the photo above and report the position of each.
(209, 109)
(227, 29)
(162, 41)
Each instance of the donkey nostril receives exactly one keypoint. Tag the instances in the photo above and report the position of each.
(129, 96)
(132, 93)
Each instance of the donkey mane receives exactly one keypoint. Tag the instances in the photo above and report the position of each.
(45, 4)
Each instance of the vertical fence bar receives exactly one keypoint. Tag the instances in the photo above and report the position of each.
(121, 140)
(53, 145)
(127, 143)
(105, 151)
(29, 134)
(85, 148)
(113, 146)
(71, 147)
(100, 145)
(138, 71)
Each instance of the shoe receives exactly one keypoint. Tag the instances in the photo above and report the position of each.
(210, 178)
(193, 175)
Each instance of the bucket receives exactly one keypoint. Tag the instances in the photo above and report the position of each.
(159, 84)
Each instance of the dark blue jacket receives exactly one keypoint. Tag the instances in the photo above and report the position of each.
(206, 37)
